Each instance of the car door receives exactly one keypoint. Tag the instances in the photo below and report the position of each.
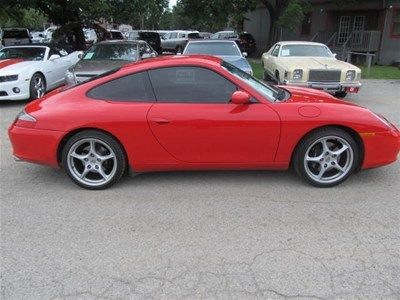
(195, 122)
(56, 68)
(271, 60)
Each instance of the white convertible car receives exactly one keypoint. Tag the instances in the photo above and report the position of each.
(311, 65)
(28, 72)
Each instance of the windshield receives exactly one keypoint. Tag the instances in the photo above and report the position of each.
(305, 50)
(126, 52)
(271, 93)
(116, 35)
(213, 48)
(27, 53)
(15, 34)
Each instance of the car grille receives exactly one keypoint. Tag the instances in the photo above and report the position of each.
(324, 75)
(3, 93)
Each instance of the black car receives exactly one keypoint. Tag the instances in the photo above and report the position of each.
(151, 37)
(247, 43)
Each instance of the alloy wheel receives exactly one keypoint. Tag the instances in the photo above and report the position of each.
(328, 159)
(92, 162)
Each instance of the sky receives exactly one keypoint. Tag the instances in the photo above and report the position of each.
(172, 3)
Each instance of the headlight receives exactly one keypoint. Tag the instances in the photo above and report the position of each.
(297, 74)
(350, 75)
(8, 78)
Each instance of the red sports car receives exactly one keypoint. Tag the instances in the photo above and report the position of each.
(198, 113)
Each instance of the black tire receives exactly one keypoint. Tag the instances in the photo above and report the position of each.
(178, 50)
(299, 157)
(266, 76)
(33, 86)
(118, 164)
(277, 78)
(340, 94)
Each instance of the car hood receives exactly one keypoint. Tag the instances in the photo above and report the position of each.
(95, 67)
(316, 63)
(15, 66)
(237, 61)
(307, 95)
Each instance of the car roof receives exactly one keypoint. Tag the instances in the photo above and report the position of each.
(37, 45)
(170, 60)
(121, 42)
(300, 43)
(212, 41)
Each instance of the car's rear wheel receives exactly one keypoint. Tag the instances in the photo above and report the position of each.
(93, 159)
(340, 94)
(37, 86)
(326, 157)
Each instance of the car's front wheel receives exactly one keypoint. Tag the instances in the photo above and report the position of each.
(37, 86)
(93, 159)
(341, 94)
(326, 157)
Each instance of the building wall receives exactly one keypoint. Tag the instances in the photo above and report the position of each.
(325, 17)
(258, 23)
(390, 45)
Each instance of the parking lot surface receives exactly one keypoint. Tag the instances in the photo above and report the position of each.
(226, 235)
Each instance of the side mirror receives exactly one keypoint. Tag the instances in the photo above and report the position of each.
(240, 97)
(80, 55)
(334, 54)
(54, 56)
(244, 54)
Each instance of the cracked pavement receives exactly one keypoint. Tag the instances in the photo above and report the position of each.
(226, 235)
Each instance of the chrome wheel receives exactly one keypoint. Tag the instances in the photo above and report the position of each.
(92, 162)
(328, 159)
(39, 86)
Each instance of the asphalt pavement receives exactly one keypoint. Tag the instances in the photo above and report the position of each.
(226, 235)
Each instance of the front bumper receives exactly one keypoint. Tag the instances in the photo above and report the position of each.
(7, 93)
(380, 148)
(35, 145)
(330, 87)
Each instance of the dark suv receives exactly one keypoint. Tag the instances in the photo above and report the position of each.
(151, 37)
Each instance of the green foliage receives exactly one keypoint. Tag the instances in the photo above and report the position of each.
(293, 15)
(212, 15)
(29, 18)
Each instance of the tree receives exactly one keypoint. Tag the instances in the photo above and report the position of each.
(214, 15)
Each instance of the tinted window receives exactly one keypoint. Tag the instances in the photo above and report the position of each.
(15, 34)
(135, 88)
(27, 53)
(213, 48)
(190, 85)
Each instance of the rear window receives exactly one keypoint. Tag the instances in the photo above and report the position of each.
(149, 35)
(15, 34)
(194, 35)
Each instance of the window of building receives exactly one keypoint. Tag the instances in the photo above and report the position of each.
(131, 88)
(396, 23)
(190, 85)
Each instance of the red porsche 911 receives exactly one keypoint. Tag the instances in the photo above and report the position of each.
(198, 113)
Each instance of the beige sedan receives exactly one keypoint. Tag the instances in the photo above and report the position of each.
(311, 65)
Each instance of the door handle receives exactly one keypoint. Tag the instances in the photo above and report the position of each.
(160, 121)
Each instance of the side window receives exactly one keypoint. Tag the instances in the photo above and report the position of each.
(173, 35)
(190, 85)
(130, 88)
(275, 52)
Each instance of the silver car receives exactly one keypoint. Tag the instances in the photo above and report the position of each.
(227, 50)
(105, 56)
